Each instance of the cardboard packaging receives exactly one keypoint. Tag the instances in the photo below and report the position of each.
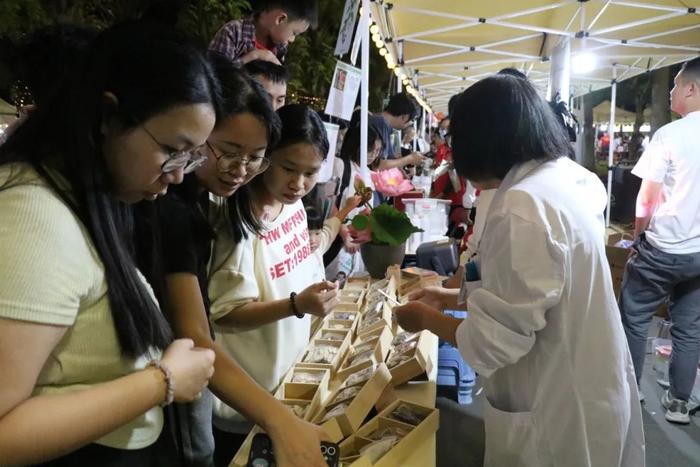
(415, 433)
(358, 407)
(416, 362)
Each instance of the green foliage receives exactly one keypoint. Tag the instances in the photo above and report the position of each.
(387, 224)
(203, 18)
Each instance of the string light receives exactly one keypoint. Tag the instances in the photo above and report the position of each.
(391, 64)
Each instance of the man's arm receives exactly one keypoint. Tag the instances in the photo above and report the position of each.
(647, 202)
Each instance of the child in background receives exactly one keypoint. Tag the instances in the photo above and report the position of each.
(273, 78)
(322, 234)
(267, 33)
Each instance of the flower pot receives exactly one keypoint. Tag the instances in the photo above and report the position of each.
(378, 258)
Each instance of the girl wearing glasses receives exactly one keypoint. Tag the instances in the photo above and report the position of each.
(78, 323)
(233, 154)
(257, 272)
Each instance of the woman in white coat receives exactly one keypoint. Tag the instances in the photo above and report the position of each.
(543, 328)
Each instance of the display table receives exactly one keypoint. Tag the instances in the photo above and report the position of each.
(422, 393)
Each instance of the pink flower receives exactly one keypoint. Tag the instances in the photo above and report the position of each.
(391, 182)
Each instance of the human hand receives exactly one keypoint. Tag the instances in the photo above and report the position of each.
(318, 299)
(297, 443)
(191, 368)
(415, 316)
(434, 296)
(360, 236)
(260, 54)
(350, 204)
(350, 246)
(415, 158)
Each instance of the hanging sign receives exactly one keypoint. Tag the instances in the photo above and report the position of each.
(343, 93)
(347, 25)
(326, 172)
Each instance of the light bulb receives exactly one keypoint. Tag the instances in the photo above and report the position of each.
(379, 43)
(374, 29)
(383, 51)
(397, 72)
(376, 37)
(583, 62)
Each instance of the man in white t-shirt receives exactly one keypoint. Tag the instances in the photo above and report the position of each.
(665, 261)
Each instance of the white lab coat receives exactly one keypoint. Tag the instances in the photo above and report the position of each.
(544, 328)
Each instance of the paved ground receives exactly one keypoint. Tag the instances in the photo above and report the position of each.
(460, 440)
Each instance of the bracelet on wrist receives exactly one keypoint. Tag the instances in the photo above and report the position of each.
(293, 305)
(169, 382)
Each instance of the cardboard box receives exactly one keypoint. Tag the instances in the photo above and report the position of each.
(314, 393)
(396, 456)
(357, 283)
(376, 319)
(379, 342)
(337, 358)
(617, 259)
(419, 364)
(345, 424)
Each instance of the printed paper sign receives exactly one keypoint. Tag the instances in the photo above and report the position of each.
(343, 92)
(347, 25)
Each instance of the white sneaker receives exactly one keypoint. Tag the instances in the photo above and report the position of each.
(676, 409)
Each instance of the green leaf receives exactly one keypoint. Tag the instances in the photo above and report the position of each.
(390, 225)
(360, 222)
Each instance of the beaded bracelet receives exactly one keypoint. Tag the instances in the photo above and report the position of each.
(293, 303)
(169, 382)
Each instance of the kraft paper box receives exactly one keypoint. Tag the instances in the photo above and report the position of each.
(315, 393)
(332, 364)
(416, 433)
(416, 365)
(374, 346)
(346, 423)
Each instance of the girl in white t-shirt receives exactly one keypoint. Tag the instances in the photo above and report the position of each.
(261, 286)
(78, 322)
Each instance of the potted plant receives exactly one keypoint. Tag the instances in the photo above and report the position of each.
(389, 227)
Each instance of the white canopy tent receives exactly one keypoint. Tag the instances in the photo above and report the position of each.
(445, 46)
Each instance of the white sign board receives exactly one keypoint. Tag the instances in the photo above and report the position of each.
(326, 172)
(347, 25)
(343, 92)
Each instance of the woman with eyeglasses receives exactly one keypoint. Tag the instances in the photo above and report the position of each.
(232, 156)
(262, 286)
(87, 357)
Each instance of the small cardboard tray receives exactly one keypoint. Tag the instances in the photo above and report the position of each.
(346, 423)
(378, 342)
(418, 364)
(350, 448)
(337, 358)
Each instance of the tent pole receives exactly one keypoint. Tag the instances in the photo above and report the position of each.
(364, 89)
(611, 136)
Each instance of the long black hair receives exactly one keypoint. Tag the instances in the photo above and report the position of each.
(500, 122)
(150, 69)
(350, 150)
(300, 124)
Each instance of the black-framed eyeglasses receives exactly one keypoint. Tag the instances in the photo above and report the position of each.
(188, 160)
(226, 161)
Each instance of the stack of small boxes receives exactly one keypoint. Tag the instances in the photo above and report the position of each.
(355, 354)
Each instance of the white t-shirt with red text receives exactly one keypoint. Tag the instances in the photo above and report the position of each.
(261, 269)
